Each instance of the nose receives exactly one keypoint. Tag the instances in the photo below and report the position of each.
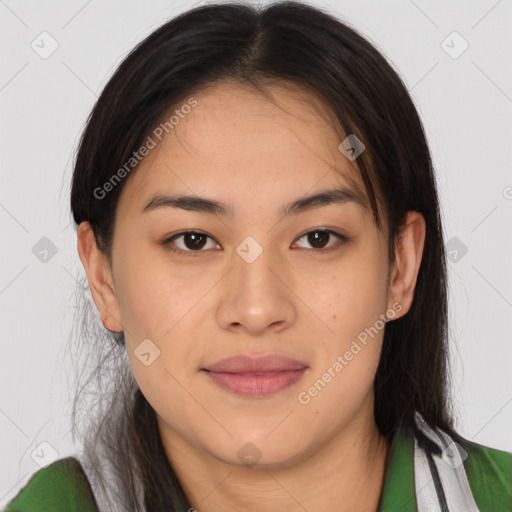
(257, 296)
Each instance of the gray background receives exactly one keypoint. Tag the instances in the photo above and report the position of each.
(465, 103)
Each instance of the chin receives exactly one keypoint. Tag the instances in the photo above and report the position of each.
(257, 452)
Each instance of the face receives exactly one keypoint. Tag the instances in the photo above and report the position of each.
(192, 285)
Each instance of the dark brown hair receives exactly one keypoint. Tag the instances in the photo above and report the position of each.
(285, 42)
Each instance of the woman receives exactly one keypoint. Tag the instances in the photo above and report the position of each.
(260, 229)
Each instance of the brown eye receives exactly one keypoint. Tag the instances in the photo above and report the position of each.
(192, 241)
(319, 238)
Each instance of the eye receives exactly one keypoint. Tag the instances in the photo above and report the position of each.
(319, 238)
(193, 241)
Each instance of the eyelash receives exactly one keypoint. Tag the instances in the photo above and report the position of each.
(168, 242)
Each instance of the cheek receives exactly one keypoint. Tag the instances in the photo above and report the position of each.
(153, 294)
(352, 297)
(158, 303)
(352, 301)
(347, 358)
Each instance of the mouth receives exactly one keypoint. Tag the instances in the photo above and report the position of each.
(256, 377)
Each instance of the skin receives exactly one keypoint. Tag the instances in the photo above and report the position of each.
(237, 147)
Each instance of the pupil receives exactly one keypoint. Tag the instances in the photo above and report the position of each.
(313, 239)
(194, 236)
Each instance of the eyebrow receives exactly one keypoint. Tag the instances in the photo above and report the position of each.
(338, 195)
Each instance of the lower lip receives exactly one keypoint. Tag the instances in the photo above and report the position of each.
(256, 385)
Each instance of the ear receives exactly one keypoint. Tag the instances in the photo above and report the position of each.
(408, 255)
(99, 275)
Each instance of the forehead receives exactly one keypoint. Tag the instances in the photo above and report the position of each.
(237, 142)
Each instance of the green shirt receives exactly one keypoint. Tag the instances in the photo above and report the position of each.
(63, 486)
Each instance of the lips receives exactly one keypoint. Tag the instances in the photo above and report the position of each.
(255, 364)
(256, 376)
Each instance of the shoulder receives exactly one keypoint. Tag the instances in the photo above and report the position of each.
(471, 475)
(60, 486)
(489, 473)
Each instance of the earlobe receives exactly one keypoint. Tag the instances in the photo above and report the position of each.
(99, 276)
(408, 255)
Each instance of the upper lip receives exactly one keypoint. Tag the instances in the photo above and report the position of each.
(249, 364)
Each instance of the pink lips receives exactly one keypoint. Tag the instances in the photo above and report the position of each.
(256, 376)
